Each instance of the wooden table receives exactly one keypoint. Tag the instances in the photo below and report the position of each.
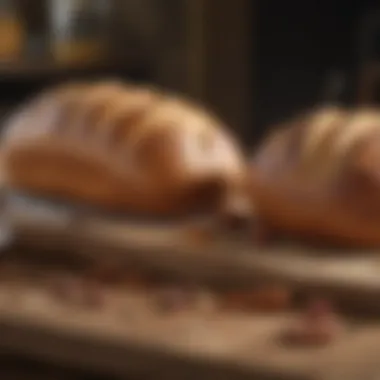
(133, 338)
(129, 337)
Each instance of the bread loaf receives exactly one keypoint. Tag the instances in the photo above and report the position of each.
(317, 177)
(126, 148)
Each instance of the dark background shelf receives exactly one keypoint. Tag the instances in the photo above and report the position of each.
(22, 82)
(298, 45)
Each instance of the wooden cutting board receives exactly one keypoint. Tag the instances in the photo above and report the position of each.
(134, 339)
(130, 337)
(183, 250)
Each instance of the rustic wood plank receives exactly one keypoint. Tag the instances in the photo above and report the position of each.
(225, 346)
(221, 345)
(180, 250)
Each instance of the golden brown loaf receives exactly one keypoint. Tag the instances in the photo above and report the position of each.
(126, 148)
(319, 177)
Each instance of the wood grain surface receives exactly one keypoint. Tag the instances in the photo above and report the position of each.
(129, 337)
(193, 250)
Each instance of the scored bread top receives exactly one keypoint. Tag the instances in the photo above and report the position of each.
(130, 147)
(319, 146)
(317, 177)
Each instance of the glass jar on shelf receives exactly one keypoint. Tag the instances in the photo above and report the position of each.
(12, 31)
(79, 30)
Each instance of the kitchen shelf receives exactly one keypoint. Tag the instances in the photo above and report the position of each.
(25, 69)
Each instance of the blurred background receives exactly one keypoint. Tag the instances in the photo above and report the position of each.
(254, 62)
(198, 47)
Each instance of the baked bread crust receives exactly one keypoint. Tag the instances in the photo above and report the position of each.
(126, 148)
(317, 178)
